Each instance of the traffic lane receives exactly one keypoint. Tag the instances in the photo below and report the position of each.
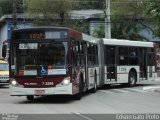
(90, 103)
(101, 102)
(52, 105)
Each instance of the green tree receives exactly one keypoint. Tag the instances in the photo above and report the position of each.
(90, 4)
(49, 11)
(99, 32)
(153, 12)
(128, 19)
(1, 13)
(6, 6)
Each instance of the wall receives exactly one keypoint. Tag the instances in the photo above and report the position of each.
(5, 33)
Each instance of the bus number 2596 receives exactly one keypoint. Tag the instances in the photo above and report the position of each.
(47, 83)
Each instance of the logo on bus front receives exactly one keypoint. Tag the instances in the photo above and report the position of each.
(43, 70)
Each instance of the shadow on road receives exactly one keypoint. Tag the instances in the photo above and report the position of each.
(49, 99)
(4, 86)
(121, 86)
(55, 99)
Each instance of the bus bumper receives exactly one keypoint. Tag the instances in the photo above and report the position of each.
(62, 90)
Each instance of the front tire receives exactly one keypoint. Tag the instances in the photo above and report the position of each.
(78, 96)
(30, 97)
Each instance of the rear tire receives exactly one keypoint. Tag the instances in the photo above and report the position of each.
(132, 79)
(30, 97)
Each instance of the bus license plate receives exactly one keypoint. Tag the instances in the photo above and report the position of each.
(39, 92)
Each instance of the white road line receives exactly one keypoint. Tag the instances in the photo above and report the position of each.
(151, 87)
(82, 116)
(114, 91)
(120, 90)
(134, 90)
(124, 90)
(106, 91)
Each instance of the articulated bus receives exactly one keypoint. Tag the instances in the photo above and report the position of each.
(61, 61)
(126, 61)
(51, 61)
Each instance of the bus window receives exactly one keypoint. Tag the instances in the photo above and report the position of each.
(150, 57)
(75, 58)
(110, 55)
(133, 56)
(78, 51)
(123, 55)
(91, 54)
(32, 55)
(96, 54)
(81, 53)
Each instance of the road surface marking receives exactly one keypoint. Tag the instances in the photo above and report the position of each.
(134, 90)
(119, 90)
(82, 116)
(151, 87)
(114, 91)
(122, 90)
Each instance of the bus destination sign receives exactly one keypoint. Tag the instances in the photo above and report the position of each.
(36, 35)
(40, 35)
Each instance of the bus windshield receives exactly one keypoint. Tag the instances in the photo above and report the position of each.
(40, 58)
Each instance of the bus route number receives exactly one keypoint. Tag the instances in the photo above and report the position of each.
(47, 83)
(36, 35)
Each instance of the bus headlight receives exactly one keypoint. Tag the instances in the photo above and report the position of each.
(14, 83)
(66, 81)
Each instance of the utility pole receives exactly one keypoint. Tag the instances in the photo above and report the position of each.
(107, 20)
(14, 14)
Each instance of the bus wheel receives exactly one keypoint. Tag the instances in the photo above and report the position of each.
(78, 96)
(30, 97)
(132, 78)
(93, 90)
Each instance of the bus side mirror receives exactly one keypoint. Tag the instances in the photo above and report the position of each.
(4, 50)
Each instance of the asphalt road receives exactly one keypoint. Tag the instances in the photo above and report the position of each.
(140, 99)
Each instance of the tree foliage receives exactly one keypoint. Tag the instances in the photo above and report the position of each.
(153, 12)
(99, 32)
(90, 4)
(49, 10)
(6, 6)
(128, 19)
